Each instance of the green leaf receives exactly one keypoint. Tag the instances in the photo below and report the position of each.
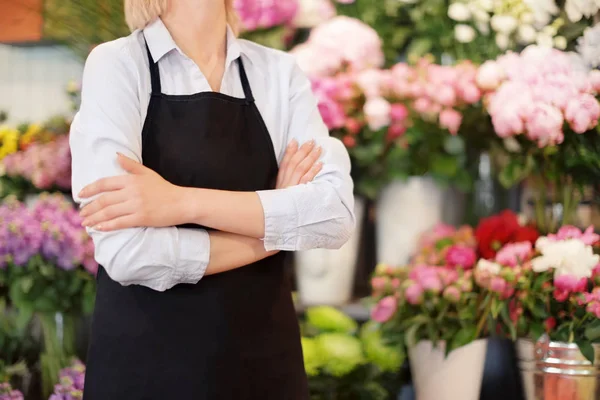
(463, 337)
(26, 284)
(592, 332)
(411, 334)
(515, 171)
(586, 349)
(445, 166)
(419, 47)
(454, 145)
(496, 307)
(508, 322)
(536, 330)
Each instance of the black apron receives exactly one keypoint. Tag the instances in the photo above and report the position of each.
(231, 336)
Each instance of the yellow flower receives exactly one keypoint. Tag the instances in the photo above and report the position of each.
(31, 135)
(9, 141)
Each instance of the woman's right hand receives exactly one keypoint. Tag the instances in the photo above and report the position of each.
(299, 165)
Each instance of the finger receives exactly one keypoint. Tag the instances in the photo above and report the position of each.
(305, 165)
(297, 158)
(291, 149)
(104, 185)
(109, 213)
(130, 165)
(103, 201)
(312, 173)
(123, 222)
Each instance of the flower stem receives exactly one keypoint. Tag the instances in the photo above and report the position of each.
(483, 319)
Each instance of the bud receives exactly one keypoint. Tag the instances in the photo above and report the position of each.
(452, 294)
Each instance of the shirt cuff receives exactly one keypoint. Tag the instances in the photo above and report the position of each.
(281, 219)
(193, 256)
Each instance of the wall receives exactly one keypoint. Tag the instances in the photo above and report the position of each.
(33, 80)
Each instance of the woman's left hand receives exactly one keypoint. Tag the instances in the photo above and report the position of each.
(140, 198)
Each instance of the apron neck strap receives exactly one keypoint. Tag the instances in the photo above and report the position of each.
(154, 72)
(245, 83)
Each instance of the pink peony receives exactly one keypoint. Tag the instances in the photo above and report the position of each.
(594, 77)
(384, 310)
(490, 75)
(571, 232)
(582, 113)
(445, 95)
(395, 131)
(469, 93)
(567, 284)
(377, 112)
(498, 285)
(451, 120)
(452, 294)
(461, 256)
(414, 294)
(370, 82)
(544, 124)
(514, 254)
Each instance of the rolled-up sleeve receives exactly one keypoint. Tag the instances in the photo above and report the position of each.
(110, 121)
(318, 214)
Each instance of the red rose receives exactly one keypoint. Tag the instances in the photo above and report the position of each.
(526, 234)
(494, 232)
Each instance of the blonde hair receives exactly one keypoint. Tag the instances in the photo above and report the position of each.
(139, 13)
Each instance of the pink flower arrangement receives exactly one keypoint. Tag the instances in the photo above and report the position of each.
(437, 92)
(537, 93)
(447, 246)
(45, 165)
(340, 44)
(263, 14)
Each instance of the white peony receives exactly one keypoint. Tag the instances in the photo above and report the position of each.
(542, 10)
(459, 12)
(502, 41)
(588, 46)
(488, 266)
(464, 33)
(566, 257)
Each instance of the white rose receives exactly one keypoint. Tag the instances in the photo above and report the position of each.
(488, 266)
(505, 24)
(377, 112)
(459, 12)
(464, 33)
(313, 12)
(527, 34)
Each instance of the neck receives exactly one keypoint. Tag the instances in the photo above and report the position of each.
(198, 27)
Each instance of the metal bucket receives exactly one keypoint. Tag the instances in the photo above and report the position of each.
(557, 371)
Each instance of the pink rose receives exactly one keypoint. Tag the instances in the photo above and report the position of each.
(414, 294)
(431, 283)
(395, 131)
(448, 276)
(385, 309)
(513, 254)
(398, 112)
(582, 112)
(461, 256)
(445, 95)
(377, 113)
(451, 120)
(571, 232)
(489, 75)
(379, 283)
(452, 294)
(594, 78)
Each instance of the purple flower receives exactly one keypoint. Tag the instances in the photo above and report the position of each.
(71, 383)
(7, 392)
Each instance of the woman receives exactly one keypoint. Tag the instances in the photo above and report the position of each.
(189, 220)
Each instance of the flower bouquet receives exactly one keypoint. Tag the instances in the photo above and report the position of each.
(8, 393)
(36, 158)
(71, 382)
(266, 22)
(548, 297)
(50, 267)
(341, 364)
(432, 308)
(544, 111)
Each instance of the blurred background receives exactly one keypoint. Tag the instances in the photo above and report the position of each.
(471, 126)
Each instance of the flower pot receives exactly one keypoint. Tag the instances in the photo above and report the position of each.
(557, 371)
(407, 209)
(326, 277)
(457, 376)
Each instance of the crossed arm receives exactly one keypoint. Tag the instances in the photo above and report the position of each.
(142, 198)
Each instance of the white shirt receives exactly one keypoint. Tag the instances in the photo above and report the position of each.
(115, 96)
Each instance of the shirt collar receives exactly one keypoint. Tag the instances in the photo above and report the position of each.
(160, 42)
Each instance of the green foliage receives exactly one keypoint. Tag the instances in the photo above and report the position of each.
(83, 24)
(329, 319)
